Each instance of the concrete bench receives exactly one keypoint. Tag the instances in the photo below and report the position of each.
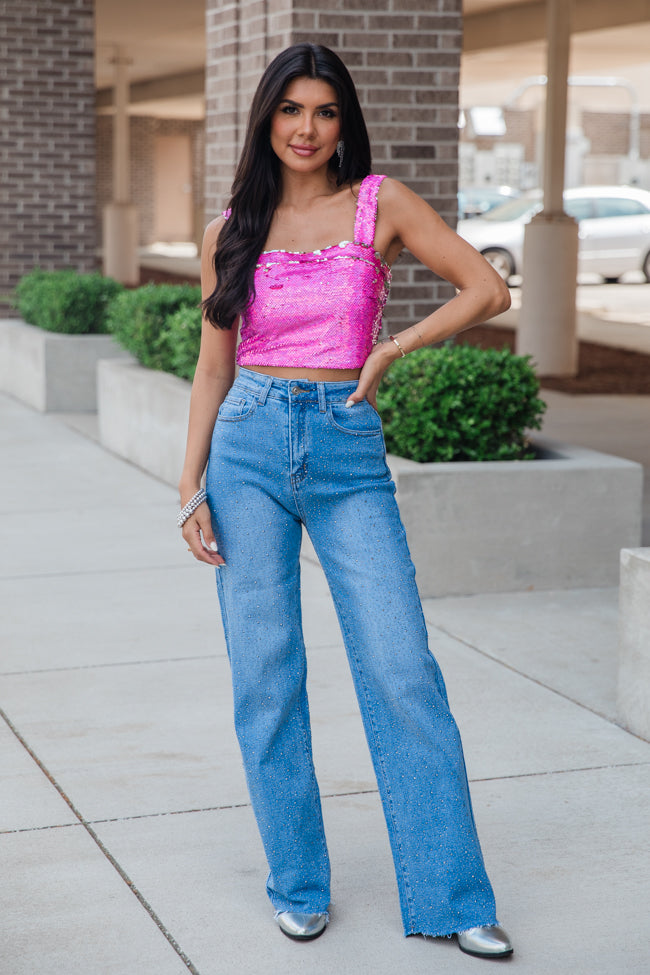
(634, 642)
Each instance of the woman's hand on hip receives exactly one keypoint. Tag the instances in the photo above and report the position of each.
(197, 532)
(373, 369)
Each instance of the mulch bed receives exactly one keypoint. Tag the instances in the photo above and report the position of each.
(601, 369)
(149, 275)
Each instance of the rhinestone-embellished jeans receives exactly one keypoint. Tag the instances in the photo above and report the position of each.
(286, 453)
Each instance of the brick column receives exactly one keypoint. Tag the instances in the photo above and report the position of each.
(47, 155)
(404, 57)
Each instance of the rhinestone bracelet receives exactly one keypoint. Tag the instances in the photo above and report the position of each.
(188, 509)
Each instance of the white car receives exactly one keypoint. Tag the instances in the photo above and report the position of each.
(614, 230)
(475, 201)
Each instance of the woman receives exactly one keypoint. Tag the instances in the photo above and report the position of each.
(301, 260)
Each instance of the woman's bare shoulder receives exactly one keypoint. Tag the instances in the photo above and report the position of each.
(211, 234)
(396, 195)
(213, 229)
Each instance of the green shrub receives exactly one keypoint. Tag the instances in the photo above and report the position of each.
(458, 402)
(64, 301)
(184, 340)
(139, 320)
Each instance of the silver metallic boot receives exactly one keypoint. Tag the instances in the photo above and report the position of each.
(490, 941)
(302, 927)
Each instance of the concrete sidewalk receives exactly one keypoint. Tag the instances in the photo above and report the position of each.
(127, 841)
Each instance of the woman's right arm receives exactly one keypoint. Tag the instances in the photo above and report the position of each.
(215, 373)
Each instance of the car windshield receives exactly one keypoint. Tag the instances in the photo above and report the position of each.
(514, 209)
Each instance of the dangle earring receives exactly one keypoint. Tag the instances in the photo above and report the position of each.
(340, 149)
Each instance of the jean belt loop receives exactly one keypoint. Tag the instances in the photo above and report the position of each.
(265, 392)
(322, 403)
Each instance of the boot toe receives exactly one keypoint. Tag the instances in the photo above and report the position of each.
(489, 941)
(302, 927)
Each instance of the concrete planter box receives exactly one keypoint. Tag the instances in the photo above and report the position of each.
(49, 371)
(143, 416)
(556, 522)
(633, 697)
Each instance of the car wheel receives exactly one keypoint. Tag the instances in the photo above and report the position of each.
(500, 260)
(646, 266)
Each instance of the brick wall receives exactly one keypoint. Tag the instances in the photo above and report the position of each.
(404, 57)
(609, 141)
(47, 152)
(609, 133)
(520, 129)
(142, 132)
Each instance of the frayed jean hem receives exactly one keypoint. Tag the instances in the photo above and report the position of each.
(446, 932)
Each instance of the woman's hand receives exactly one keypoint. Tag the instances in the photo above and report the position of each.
(197, 532)
(373, 369)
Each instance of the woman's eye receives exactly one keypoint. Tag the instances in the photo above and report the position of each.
(328, 113)
(289, 109)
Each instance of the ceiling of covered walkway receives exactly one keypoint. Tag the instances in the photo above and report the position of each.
(504, 45)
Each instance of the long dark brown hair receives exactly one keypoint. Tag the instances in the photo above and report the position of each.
(257, 185)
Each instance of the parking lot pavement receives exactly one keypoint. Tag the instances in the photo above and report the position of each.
(608, 314)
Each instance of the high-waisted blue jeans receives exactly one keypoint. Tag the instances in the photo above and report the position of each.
(286, 453)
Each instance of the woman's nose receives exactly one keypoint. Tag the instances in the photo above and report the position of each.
(306, 124)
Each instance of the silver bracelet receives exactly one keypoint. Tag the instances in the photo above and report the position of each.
(188, 509)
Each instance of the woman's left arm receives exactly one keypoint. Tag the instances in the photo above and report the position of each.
(406, 220)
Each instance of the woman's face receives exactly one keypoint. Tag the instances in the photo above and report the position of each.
(305, 127)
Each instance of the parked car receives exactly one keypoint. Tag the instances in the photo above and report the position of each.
(474, 201)
(614, 231)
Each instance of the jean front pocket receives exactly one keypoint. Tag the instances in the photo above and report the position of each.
(237, 406)
(361, 420)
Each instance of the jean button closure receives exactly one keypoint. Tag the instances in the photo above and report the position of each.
(296, 389)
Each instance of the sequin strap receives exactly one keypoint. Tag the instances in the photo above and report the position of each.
(366, 216)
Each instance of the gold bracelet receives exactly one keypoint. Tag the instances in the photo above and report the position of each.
(393, 339)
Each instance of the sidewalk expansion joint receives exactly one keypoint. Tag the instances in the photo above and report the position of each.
(86, 823)
(106, 852)
(114, 663)
(40, 829)
(559, 771)
(72, 573)
(115, 819)
(528, 677)
(169, 812)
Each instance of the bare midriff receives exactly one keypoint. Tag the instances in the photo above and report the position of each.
(309, 375)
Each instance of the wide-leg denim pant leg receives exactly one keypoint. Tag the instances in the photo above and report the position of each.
(353, 521)
(259, 534)
(290, 452)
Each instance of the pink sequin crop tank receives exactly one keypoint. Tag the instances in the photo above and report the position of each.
(319, 309)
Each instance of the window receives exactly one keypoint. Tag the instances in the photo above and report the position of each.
(579, 209)
(619, 207)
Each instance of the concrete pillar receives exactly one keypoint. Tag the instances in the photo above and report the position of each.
(547, 321)
(405, 62)
(47, 139)
(634, 642)
(120, 228)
